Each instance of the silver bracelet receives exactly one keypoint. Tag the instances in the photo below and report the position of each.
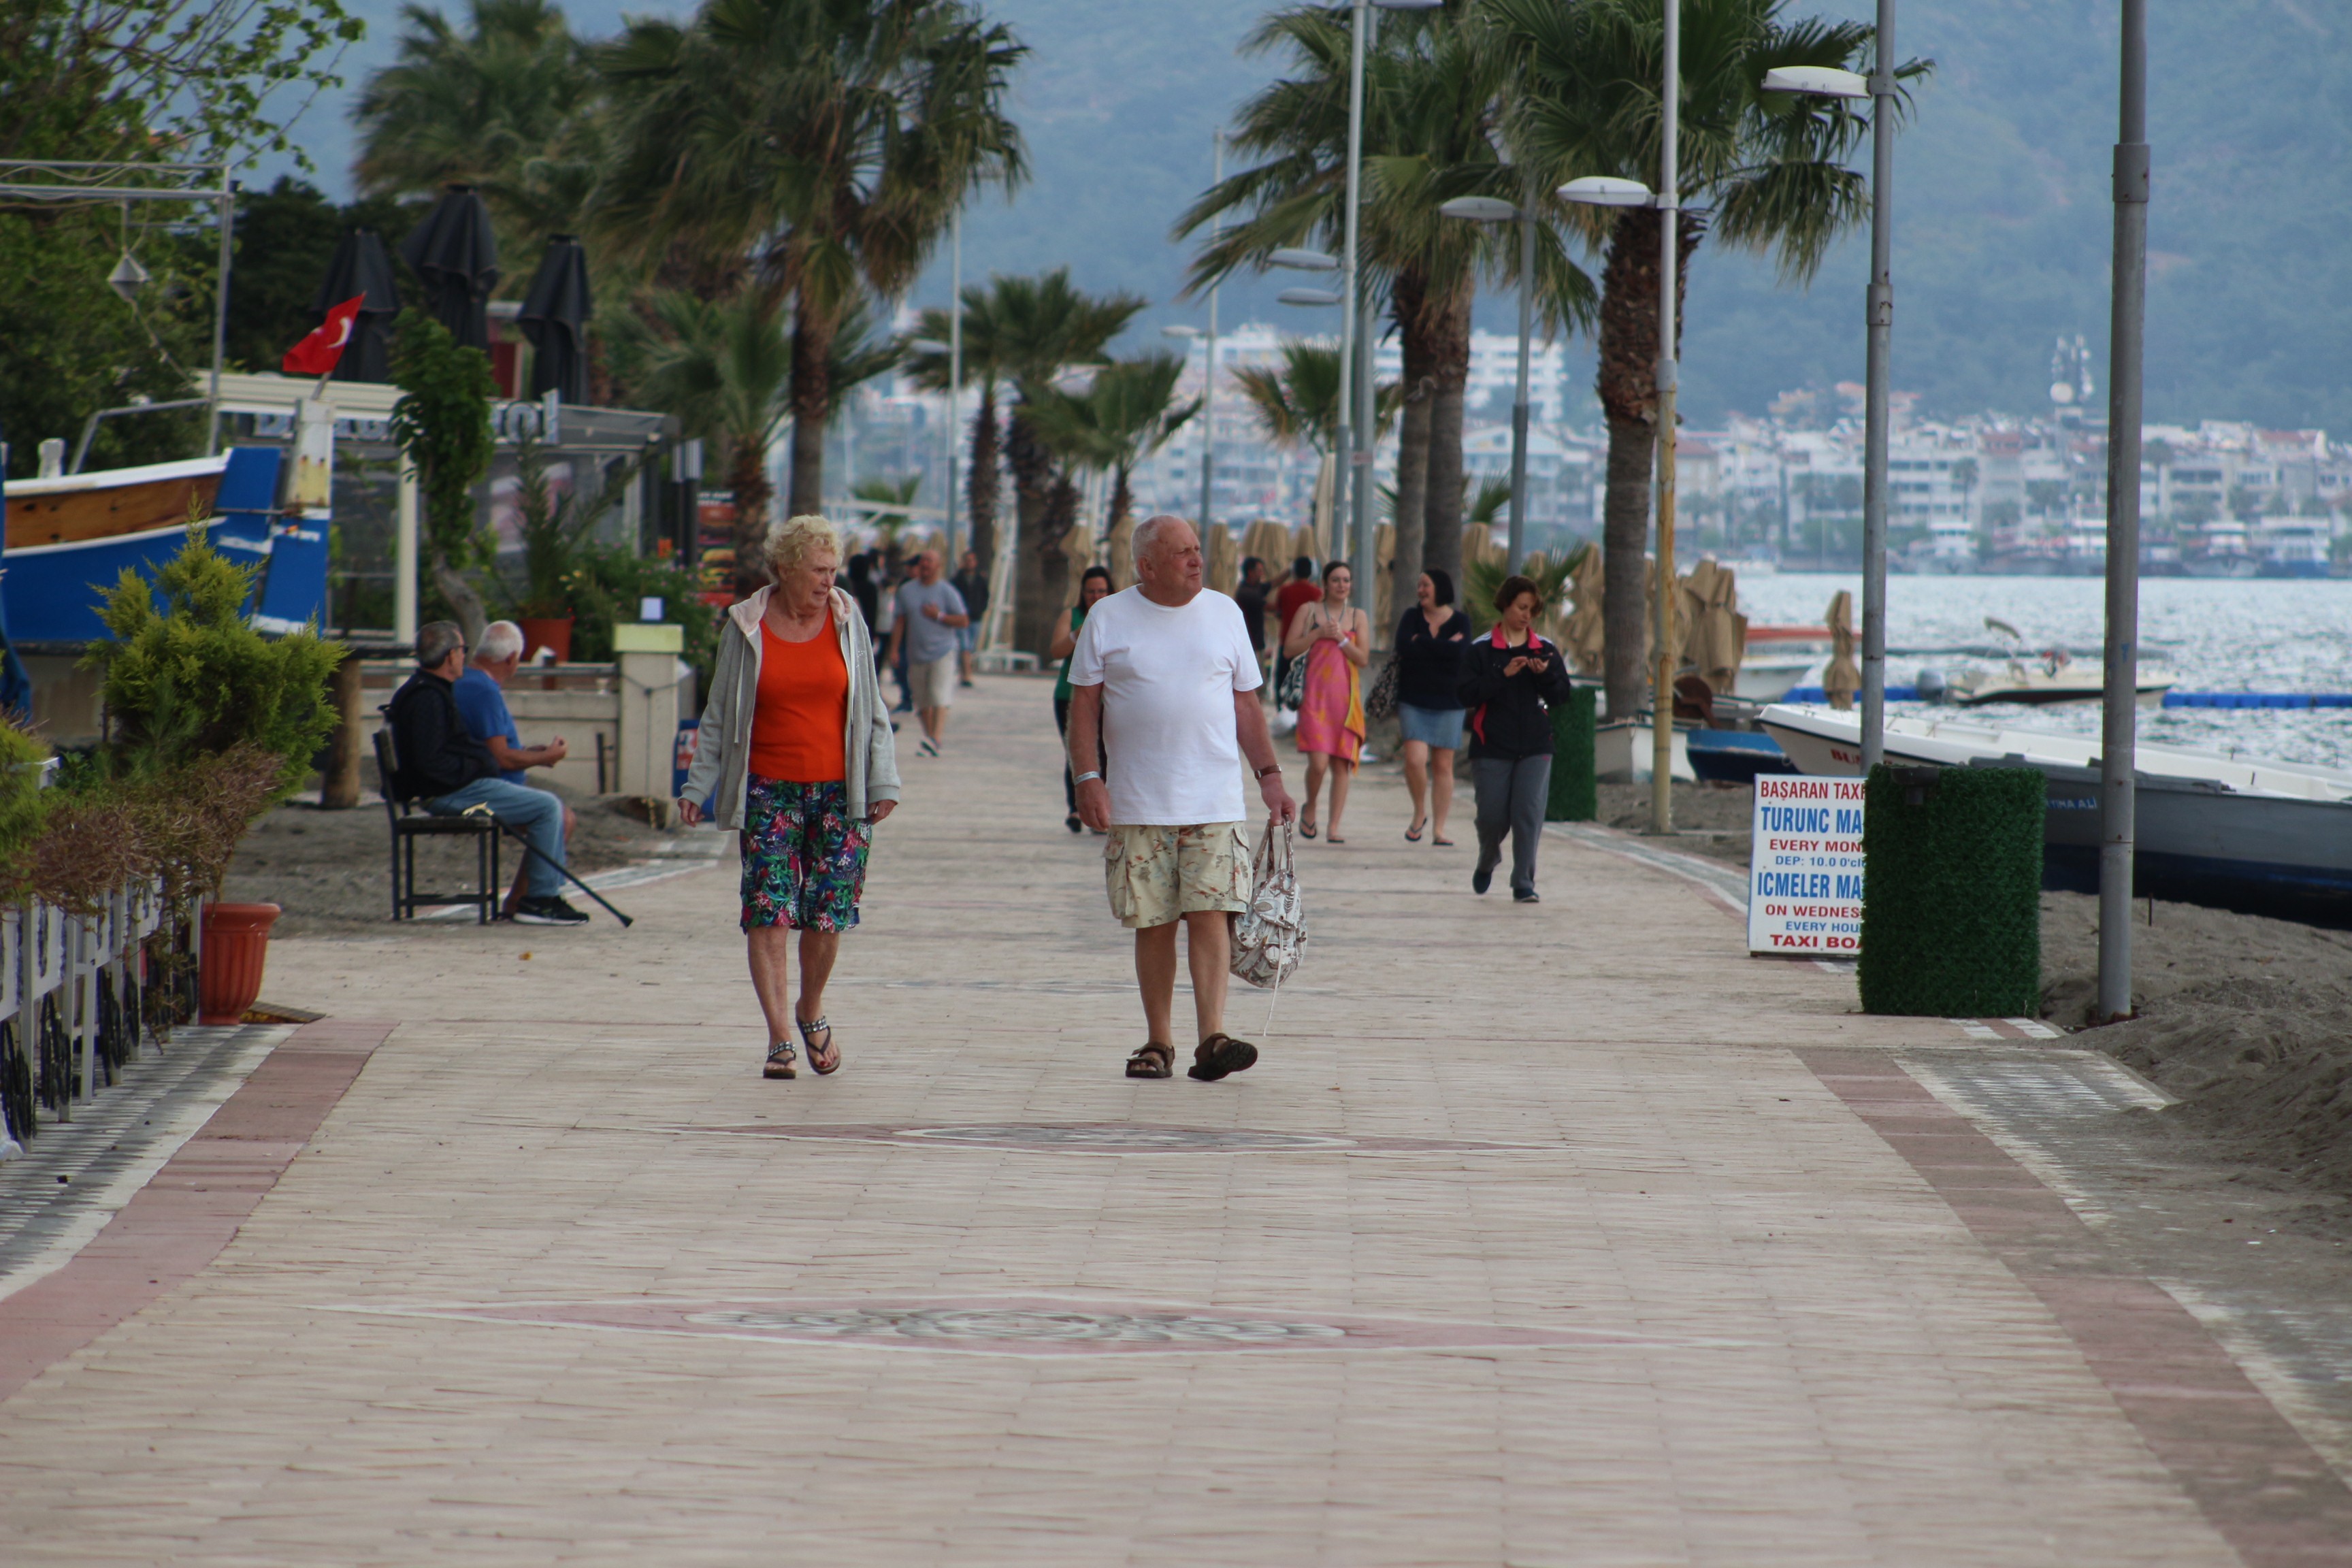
(1084, 777)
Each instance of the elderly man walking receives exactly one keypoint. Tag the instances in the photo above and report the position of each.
(1165, 679)
(930, 616)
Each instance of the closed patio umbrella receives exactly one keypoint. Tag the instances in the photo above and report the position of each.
(555, 317)
(361, 269)
(457, 257)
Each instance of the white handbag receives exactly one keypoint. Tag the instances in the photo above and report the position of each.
(1270, 936)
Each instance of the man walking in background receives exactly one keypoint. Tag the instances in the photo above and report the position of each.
(482, 703)
(1164, 680)
(973, 583)
(1296, 595)
(930, 613)
(1251, 597)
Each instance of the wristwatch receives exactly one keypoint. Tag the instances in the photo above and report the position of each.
(1269, 768)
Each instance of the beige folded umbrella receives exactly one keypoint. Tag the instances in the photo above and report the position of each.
(1844, 677)
(1582, 634)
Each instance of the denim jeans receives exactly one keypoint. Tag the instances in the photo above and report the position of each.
(538, 814)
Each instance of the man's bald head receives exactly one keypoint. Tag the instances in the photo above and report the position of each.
(1168, 559)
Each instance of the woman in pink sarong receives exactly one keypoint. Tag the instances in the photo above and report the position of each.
(1335, 642)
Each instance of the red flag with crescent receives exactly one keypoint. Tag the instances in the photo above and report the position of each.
(317, 354)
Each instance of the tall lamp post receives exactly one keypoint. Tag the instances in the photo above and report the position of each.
(1209, 381)
(2119, 723)
(955, 383)
(1494, 210)
(1312, 299)
(1826, 81)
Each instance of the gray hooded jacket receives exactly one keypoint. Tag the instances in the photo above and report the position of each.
(722, 754)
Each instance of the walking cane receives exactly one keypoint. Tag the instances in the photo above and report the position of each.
(565, 871)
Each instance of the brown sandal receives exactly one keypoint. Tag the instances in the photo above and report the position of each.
(1219, 1055)
(1152, 1060)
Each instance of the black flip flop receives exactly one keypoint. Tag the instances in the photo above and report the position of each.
(1219, 1055)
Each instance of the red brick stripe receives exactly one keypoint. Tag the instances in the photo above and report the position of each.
(2272, 1499)
(194, 1207)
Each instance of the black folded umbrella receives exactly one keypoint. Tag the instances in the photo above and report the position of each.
(456, 258)
(361, 269)
(555, 317)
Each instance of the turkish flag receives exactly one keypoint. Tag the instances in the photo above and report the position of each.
(317, 354)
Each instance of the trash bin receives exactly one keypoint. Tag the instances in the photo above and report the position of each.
(1575, 786)
(1951, 919)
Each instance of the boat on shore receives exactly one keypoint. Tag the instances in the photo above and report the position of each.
(109, 503)
(2239, 832)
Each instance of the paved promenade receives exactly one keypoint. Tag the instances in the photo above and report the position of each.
(1553, 1235)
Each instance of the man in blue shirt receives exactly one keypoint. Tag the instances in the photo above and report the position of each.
(483, 706)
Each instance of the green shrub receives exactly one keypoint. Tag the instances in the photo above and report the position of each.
(1951, 925)
(24, 803)
(607, 583)
(193, 679)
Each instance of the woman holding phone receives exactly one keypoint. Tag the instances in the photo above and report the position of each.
(1509, 678)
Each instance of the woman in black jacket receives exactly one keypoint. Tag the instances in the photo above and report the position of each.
(1508, 677)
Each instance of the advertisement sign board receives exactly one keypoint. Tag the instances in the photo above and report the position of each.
(1804, 866)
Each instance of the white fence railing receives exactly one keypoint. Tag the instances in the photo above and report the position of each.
(74, 1001)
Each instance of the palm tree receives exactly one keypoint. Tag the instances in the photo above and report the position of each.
(510, 106)
(1045, 327)
(1431, 96)
(1128, 414)
(1765, 172)
(984, 360)
(828, 141)
(725, 368)
(1298, 403)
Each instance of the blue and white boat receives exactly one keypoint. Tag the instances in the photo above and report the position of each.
(51, 590)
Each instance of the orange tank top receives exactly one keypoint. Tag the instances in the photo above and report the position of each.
(803, 710)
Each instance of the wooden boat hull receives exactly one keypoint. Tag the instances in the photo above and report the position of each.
(111, 503)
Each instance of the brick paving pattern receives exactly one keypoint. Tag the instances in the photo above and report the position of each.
(1542, 1235)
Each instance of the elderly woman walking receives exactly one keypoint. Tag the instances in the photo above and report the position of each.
(795, 751)
(1334, 640)
(1510, 679)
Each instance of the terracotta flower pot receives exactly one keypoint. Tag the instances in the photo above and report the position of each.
(236, 945)
(546, 631)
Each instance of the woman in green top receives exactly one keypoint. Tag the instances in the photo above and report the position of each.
(1092, 586)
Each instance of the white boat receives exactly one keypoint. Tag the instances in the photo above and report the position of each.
(2051, 679)
(2241, 833)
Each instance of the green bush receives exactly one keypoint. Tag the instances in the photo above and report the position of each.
(24, 803)
(1575, 781)
(193, 679)
(1951, 925)
(605, 588)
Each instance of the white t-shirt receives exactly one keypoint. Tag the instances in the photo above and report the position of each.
(1168, 675)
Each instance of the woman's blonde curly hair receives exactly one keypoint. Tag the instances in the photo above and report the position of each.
(795, 539)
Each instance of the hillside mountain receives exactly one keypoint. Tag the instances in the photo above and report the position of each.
(2002, 217)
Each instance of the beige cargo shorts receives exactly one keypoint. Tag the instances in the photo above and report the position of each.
(1159, 874)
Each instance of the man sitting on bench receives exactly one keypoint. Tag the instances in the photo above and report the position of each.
(446, 768)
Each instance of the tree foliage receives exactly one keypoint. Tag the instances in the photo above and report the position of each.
(442, 425)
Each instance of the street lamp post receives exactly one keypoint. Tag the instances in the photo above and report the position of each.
(1492, 209)
(1208, 382)
(955, 382)
(2118, 726)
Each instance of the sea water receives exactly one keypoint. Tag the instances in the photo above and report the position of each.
(2211, 635)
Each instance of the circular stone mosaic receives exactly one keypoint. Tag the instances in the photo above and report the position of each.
(1121, 1138)
(1026, 1325)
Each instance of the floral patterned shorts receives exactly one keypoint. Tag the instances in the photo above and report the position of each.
(804, 858)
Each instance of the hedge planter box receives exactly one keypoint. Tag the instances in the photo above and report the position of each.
(1952, 925)
(1575, 782)
(237, 946)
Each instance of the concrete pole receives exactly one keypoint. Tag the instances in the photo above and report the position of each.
(403, 556)
(2119, 722)
(1880, 316)
(1345, 447)
(1661, 686)
(1517, 549)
